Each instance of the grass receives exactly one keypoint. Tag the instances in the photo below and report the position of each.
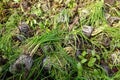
(52, 38)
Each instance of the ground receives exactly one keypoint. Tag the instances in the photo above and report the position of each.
(59, 39)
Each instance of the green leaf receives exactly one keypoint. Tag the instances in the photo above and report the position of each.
(6, 0)
(16, 1)
(93, 53)
(81, 57)
(83, 61)
(80, 69)
(91, 62)
(96, 72)
(98, 57)
(84, 53)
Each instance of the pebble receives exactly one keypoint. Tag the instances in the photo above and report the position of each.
(24, 29)
(24, 62)
(47, 63)
(87, 30)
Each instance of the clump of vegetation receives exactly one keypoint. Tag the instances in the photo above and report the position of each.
(59, 39)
